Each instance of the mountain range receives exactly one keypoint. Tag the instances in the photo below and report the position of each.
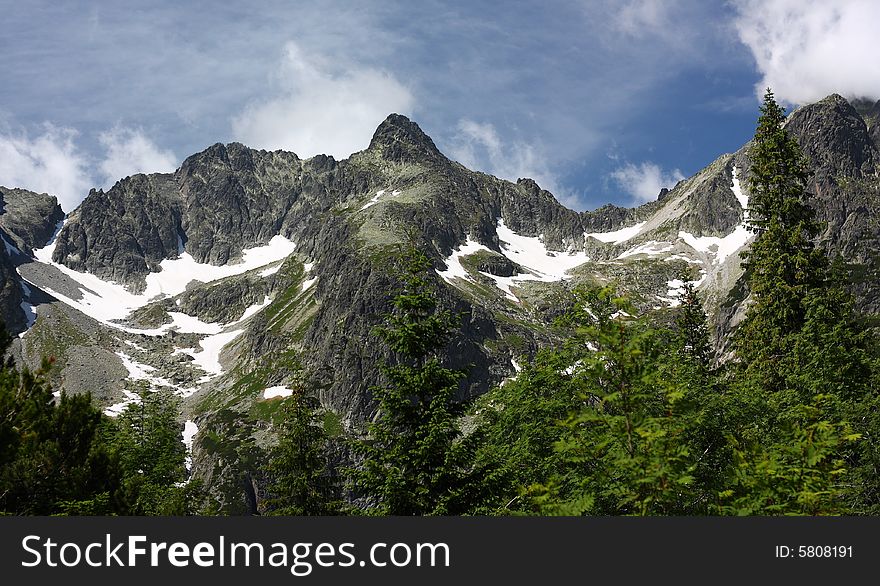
(246, 273)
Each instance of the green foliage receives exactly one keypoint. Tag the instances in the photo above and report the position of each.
(414, 460)
(598, 425)
(625, 443)
(796, 475)
(519, 425)
(783, 264)
(693, 329)
(302, 483)
(52, 457)
(64, 457)
(147, 439)
(803, 373)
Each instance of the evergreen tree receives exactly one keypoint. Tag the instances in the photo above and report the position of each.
(53, 455)
(702, 407)
(519, 427)
(802, 369)
(693, 329)
(148, 441)
(783, 265)
(414, 461)
(301, 482)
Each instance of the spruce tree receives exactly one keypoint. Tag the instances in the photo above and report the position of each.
(783, 265)
(54, 457)
(301, 482)
(519, 427)
(413, 461)
(802, 368)
(693, 328)
(148, 441)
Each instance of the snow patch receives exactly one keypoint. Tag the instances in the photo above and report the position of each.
(139, 371)
(527, 251)
(617, 236)
(253, 309)
(135, 346)
(277, 391)
(718, 248)
(271, 271)
(190, 429)
(675, 290)
(208, 358)
(505, 283)
(308, 283)
(738, 193)
(454, 268)
(177, 273)
(375, 200)
(652, 248)
(531, 253)
(686, 259)
(106, 301)
(117, 408)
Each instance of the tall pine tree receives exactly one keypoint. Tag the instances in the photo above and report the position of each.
(795, 391)
(414, 461)
(783, 265)
(301, 481)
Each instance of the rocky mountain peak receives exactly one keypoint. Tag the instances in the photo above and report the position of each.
(835, 138)
(400, 139)
(28, 218)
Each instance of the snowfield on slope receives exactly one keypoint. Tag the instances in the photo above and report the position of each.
(107, 302)
(617, 236)
(527, 251)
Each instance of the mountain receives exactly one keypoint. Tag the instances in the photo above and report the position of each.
(246, 272)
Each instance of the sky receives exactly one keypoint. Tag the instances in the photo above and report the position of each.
(599, 101)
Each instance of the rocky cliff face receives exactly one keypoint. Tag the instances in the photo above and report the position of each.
(27, 220)
(845, 187)
(248, 270)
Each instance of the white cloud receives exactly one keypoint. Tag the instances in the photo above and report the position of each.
(129, 151)
(52, 162)
(48, 163)
(322, 107)
(807, 49)
(644, 181)
(476, 145)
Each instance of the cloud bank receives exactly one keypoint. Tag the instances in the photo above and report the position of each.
(643, 182)
(807, 49)
(53, 161)
(129, 151)
(47, 163)
(321, 107)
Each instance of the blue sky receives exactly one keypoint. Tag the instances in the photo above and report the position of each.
(600, 101)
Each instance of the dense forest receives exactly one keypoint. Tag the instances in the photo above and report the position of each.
(631, 415)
